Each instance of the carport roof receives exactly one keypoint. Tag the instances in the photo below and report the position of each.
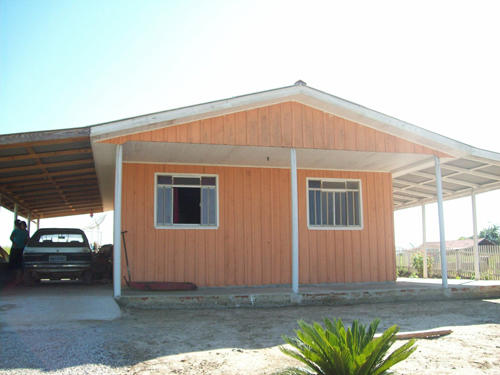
(49, 173)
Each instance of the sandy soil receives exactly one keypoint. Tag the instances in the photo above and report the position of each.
(246, 341)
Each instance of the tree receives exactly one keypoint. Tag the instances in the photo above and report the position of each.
(492, 233)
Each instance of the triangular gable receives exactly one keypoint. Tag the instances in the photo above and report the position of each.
(288, 124)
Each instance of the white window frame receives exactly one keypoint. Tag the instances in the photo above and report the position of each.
(186, 226)
(332, 227)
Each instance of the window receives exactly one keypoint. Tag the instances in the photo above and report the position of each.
(186, 200)
(334, 203)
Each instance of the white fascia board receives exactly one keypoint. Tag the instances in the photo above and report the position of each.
(379, 121)
(192, 113)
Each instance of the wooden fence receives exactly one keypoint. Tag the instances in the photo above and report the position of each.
(460, 262)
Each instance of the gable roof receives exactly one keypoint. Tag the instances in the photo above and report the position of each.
(300, 93)
(468, 168)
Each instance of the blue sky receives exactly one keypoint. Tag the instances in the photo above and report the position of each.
(74, 63)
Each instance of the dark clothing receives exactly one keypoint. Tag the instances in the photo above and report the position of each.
(19, 237)
(16, 258)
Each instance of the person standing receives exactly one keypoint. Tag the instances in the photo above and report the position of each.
(19, 238)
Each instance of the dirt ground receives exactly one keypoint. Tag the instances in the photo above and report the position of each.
(246, 341)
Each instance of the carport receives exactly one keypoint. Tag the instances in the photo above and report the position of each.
(48, 174)
(43, 175)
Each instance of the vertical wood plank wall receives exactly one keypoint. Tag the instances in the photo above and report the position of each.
(288, 124)
(252, 245)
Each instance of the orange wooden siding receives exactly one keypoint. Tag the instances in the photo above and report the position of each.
(289, 124)
(252, 245)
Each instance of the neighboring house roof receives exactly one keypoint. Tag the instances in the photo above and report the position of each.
(457, 244)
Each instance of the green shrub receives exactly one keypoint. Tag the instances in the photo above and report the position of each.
(418, 264)
(333, 350)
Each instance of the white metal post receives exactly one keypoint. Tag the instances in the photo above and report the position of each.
(295, 222)
(117, 246)
(424, 240)
(15, 214)
(442, 241)
(37, 223)
(477, 271)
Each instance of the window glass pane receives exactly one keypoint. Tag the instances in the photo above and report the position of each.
(352, 185)
(317, 198)
(208, 181)
(357, 209)
(212, 207)
(330, 209)
(343, 203)
(168, 205)
(312, 206)
(350, 208)
(187, 205)
(314, 183)
(186, 181)
(160, 205)
(324, 208)
(204, 206)
(337, 209)
(164, 205)
(165, 180)
(333, 184)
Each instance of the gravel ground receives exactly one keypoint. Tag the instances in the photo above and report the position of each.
(244, 341)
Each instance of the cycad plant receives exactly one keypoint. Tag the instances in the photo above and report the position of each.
(333, 350)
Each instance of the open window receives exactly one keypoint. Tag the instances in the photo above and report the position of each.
(334, 204)
(186, 201)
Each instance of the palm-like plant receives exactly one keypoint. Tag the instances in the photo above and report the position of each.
(333, 350)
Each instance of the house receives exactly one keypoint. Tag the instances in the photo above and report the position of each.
(286, 186)
(458, 244)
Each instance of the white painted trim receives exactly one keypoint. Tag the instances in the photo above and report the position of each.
(15, 215)
(302, 94)
(117, 288)
(251, 166)
(186, 226)
(333, 228)
(193, 113)
(442, 240)
(295, 221)
(424, 241)
(354, 227)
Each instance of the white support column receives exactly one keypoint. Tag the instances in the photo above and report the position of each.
(117, 246)
(37, 223)
(424, 240)
(15, 213)
(477, 271)
(442, 241)
(295, 222)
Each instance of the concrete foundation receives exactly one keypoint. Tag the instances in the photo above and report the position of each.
(333, 294)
